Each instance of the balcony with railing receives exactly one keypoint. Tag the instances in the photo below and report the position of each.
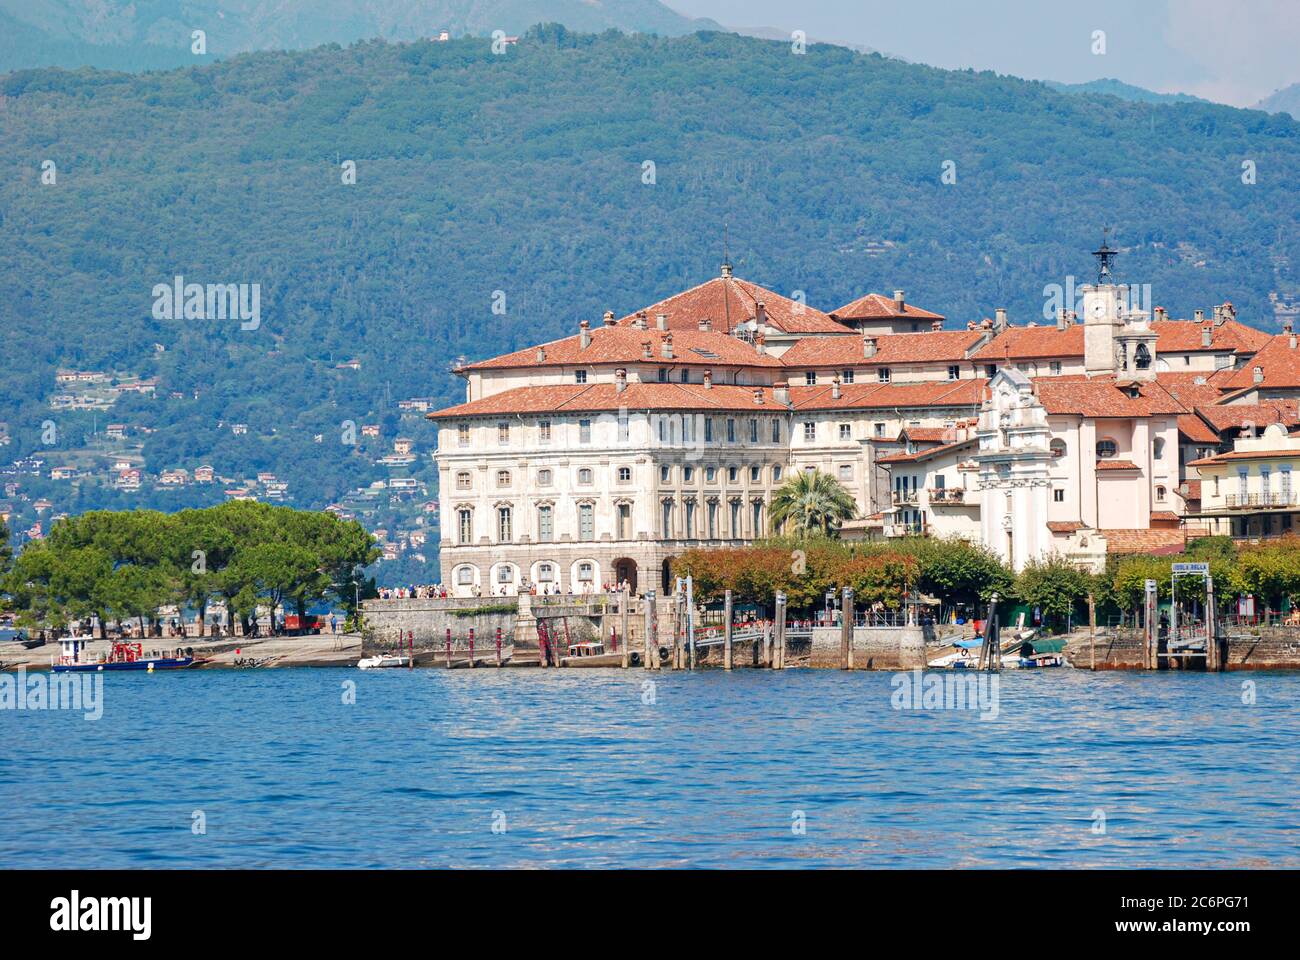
(906, 498)
(1271, 500)
(949, 495)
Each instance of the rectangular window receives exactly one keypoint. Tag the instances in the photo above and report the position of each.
(1058, 496)
(663, 374)
(584, 431)
(667, 520)
(809, 431)
(586, 521)
(810, 377)
(846, 431)
(753, 431)
(731, 430)
(688, 474)
(685, 375)
(665, 474)
(465, 520)
(710, 474)
(543, 478)
(624, 428)
(732, 474)
(713, 519)
(625, 521)
(544, 431)
(755, 474)
(690, 519)
(545, 524)
(580, 376)
(688, 429)
(1055, 368)
(503, 433)
(462, 481)
(1285, 472)
(757, 508)
(735, 519)
(846, 376)
(504, 529)
(954, 372)
(1243, 483)
(883, 374)
(708, 429)
(776, 430)
(879, 429)
(462, 434)
(846, 472)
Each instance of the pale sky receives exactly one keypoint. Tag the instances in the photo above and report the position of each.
(1231, 51)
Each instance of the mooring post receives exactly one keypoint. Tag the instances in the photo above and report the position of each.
(651, 631)
(449, 648)
(726, 631)
(1211, 627)
(410, 641)
(846, 629)
(625, 615)
(778, 638)
(690, 619)
(1092, 632)
(498, 646)
(471, 646)
(677, 626)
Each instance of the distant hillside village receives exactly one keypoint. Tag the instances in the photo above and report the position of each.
(42, 487)
(598, 458)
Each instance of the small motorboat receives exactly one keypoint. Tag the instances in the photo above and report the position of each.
(383, 660)
(74, 658)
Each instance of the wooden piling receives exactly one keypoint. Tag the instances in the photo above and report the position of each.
(498, 646)
(777, 661)
(846, 629)
(624, 620)
(449, 648)
(651, 658)
(471, 646)
(677, 630)
(1211, 628)
(1092, 632)
(726, 632)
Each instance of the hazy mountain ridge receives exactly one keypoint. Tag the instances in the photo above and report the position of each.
(1286, 100)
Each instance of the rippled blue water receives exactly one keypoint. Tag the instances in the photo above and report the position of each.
(581, 771)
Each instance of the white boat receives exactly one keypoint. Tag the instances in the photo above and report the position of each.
(383, 660)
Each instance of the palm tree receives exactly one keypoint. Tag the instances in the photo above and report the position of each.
(811, 502)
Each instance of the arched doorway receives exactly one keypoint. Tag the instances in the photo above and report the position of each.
(625, 569)
(668, 581)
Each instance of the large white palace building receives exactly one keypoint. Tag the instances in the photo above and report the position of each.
(597, 458)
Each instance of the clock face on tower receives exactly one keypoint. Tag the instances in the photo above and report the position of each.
(1098, 308)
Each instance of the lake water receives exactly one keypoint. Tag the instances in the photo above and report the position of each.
(590, 768)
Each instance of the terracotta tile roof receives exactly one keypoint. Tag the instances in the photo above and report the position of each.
(920, 456)
(948, 346)
(730, 301)
(1116, 465)
(626, 344)
(1236, 415)
(575, 398)
(1191, 388)
(958, 393)
(1165, 515)
(1031, 343)
(1064, 526)
(926, 434)
(1101, 397)
(1193, 489)
(1246, 455)
(1172, 336)
(877, 306)
(1281, 366)
(1184, 336)
(1195, 429)
(1156, 539)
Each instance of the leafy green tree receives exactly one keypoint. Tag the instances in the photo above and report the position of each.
(810, 503)
(1054, 585)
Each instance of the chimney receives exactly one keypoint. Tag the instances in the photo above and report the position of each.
(760, 342)
(1061, 322)
(781, 392)
(835, 387)
(898, 301)
(1259, 375)
(620, 380)
(666, 346)
(661, 321)
(868, 347)
(646, 353)
(1160, 314)
(584, 334)
(758, 394)
(760, 313)
(1001, 319)
(1199, 316)
(1207, 335)
(1286, 325)
(706, 325)
(541, 354)
(640, 322)
(609, 318)
(1291, 341)
(971, 325)
(1228, 311)
(936, 326)
(708, 379)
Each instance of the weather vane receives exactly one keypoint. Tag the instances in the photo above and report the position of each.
(1105, 255)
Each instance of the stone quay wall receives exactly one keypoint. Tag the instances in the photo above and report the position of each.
(874, 648)
(388, 621)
